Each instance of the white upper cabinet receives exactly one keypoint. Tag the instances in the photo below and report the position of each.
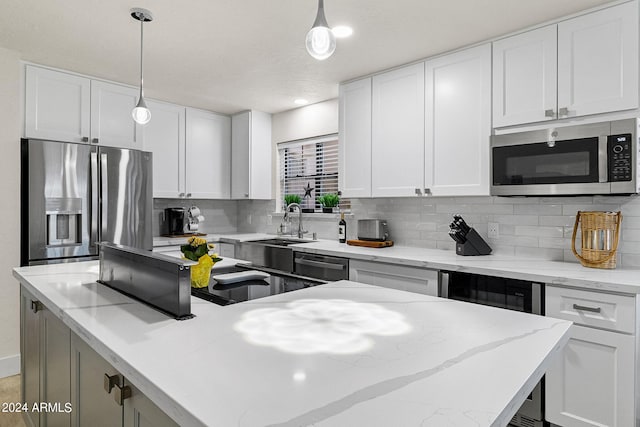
(251, 150)
(57, 105)
(458, 123)
(355, 138)
(164, 136)
(111, 121)
(524, 77)
(598, 62)
(397, 149)
(66, 107)
(581, 66)
(208, 155)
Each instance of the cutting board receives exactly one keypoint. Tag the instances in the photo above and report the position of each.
(370, 244)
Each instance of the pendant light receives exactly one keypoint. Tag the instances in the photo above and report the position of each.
(321, 43)
(141, 113)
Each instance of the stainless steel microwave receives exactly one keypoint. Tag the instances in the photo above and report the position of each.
(597, 158)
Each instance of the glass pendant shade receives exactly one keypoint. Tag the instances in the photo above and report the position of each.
(141, 114)
(321, 43)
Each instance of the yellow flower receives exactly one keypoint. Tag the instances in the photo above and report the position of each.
(211, 246)
(196, 241)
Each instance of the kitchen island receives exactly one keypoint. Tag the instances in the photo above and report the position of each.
(339, 354)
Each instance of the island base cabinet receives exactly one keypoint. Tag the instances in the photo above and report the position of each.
(411, 279)
(140, 411)
(95, 406)
(592, 383)
(92, 404)
(30, 355)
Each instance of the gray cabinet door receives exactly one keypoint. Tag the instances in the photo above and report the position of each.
(92, 405)
(56, 369)
(139, 411)
(30, 352)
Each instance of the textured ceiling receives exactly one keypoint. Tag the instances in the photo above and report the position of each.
(232, 55)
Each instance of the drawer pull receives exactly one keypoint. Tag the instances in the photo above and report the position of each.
(584, 308)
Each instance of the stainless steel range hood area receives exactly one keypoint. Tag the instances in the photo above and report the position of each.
(158, 280)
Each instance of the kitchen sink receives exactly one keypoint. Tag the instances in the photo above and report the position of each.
(271, 253)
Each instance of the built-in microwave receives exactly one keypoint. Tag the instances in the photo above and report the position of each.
(595, 158)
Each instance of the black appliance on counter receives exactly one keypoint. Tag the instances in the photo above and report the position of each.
(277, 283)
(510, 294)
(174, 219)
(468, 241)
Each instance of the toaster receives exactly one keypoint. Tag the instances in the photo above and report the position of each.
(373, 229)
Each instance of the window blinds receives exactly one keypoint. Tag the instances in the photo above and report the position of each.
(310, 168)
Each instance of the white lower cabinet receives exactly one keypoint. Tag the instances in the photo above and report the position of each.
(411, 279)
(593, 382)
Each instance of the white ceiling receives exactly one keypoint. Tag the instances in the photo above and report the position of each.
(232, 55)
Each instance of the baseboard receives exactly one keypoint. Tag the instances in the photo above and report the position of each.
(9, 365)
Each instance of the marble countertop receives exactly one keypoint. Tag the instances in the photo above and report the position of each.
(622, 280)
(338, 354)
(554, 272)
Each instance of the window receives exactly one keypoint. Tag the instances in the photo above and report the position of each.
(309, 168)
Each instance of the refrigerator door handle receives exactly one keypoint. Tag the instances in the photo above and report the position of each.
(104, 193)
(93, 237)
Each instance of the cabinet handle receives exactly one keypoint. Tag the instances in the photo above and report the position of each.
(181, 195)
(564, 111)
(427, 191)
(418, 192)
(110, 381)
(246, 194)
(188, 194)
(120, 394)
(85, 139)
(583, 308)
(549, 113)
(94, 140)
(36, 306)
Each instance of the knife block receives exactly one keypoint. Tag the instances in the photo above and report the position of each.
(475, 245)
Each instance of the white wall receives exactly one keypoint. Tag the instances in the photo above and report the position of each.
(305, 122)
(10, 195)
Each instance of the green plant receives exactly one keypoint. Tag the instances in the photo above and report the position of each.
(292, 198)
(329, 200)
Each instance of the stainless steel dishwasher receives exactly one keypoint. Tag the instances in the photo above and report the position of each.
(322, 267)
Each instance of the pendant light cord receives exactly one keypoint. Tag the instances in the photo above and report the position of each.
(141, 54)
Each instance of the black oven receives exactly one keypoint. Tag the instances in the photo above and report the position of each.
(597, 158)
(509, 294)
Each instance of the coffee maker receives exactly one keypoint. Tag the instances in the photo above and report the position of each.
(174, 221)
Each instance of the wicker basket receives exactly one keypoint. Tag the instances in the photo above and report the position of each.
(600, 233)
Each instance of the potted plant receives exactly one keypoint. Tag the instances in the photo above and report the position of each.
(291, 198)
(197, 249)
(328, 202)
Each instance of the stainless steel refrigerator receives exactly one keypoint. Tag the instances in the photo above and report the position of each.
(75, 195)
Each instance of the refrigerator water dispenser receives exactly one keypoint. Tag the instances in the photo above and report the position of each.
(64, 219)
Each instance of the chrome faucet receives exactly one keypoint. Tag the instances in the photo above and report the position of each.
(301, 231)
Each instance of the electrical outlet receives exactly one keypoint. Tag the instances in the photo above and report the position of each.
(249, 219)
(493, 230)
(269, 220)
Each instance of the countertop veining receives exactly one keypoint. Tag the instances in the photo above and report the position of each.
(339, 354)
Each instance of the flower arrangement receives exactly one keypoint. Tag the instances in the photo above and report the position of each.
(197, 249)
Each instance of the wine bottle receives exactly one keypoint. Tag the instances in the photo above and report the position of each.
(342, 229)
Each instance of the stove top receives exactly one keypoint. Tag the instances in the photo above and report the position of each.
(232, 293)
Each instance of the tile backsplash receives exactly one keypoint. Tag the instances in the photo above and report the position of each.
(538, 227)
(220, 215)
